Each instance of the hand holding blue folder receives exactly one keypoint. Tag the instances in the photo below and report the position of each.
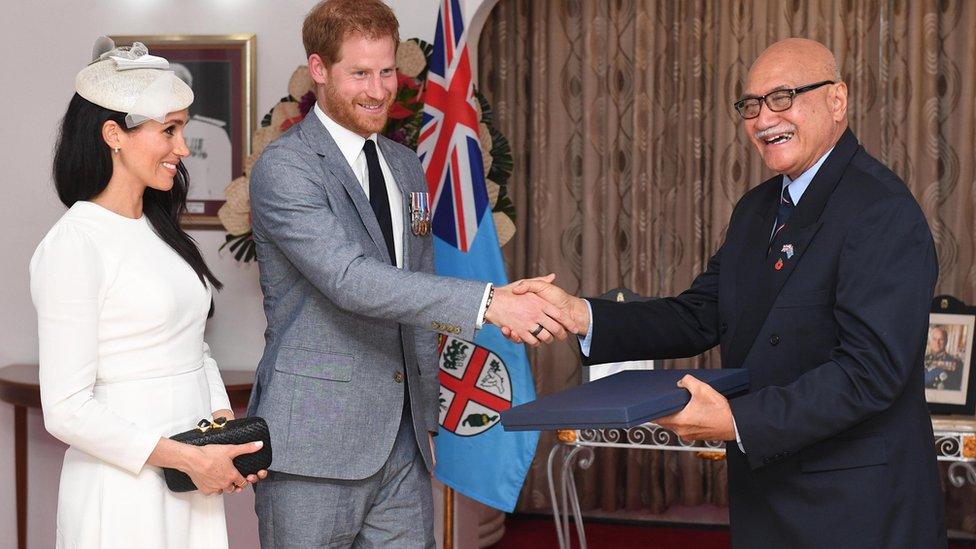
(623, 400)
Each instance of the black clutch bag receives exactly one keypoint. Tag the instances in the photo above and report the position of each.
(221, 431)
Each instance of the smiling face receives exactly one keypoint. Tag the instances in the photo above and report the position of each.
(149, 154)
(357, 90)
(793, 140)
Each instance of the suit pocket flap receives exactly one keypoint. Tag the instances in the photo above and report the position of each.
(317, 364)
(832, 455)
(804, 299)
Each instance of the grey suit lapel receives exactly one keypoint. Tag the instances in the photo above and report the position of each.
(320, 141)
(401, 175)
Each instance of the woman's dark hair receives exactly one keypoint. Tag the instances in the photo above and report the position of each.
(83, 167)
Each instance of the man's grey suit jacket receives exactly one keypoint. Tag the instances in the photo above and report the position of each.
(344, 325)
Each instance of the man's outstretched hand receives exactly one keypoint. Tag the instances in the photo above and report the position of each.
(573, 308)
(527, 316)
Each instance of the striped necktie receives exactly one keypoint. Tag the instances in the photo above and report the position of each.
(786, 208)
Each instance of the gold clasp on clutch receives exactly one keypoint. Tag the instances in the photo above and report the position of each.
(205, 425)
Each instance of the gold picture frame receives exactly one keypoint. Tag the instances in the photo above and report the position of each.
(221, 69)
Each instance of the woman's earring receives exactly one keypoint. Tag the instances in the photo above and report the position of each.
(116, 150)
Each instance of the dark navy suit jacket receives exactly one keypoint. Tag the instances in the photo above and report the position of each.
(838, 440)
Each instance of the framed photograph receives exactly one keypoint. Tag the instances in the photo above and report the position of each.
(949, 383)
(221, 72)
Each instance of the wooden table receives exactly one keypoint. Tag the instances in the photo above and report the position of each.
(19, 386)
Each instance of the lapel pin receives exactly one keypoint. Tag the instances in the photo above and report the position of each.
(779, 264)
(788, 250)
(420, 213)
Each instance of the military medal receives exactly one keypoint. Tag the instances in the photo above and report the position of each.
(788, 250)
(779, 264)
(420, 213)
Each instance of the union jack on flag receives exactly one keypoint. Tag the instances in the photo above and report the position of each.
(448, 145)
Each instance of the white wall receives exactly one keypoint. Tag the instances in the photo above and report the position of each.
(42, 45)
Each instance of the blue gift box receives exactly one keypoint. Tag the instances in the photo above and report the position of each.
(623, 400)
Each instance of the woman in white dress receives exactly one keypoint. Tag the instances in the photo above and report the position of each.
(122, 296)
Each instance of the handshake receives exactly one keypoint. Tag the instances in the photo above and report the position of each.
(535, 310)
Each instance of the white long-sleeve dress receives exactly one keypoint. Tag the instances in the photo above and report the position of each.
(120, 319)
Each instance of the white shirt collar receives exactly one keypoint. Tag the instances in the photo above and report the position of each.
(350, 143)
(799, 185)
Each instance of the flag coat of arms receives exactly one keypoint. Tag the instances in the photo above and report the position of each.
(479, 379)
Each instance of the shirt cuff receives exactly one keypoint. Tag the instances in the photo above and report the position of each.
(483, 308)
(738, 439)
(586, 341)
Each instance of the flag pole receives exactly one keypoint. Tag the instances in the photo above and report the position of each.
(448, 517)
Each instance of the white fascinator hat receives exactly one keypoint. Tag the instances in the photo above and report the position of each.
(127, 79)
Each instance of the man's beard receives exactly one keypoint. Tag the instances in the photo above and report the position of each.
(347, 113)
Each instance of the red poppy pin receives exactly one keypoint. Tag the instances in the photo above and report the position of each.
(779, 264)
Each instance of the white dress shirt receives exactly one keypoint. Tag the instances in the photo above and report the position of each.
(351, 146)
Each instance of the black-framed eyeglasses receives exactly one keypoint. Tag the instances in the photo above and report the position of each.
(776, 101)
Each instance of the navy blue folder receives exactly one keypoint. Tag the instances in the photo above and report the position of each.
(623, 400)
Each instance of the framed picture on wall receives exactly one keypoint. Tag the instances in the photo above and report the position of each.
(949, 382)
(221, 72)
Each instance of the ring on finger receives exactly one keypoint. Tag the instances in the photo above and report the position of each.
(538, 330)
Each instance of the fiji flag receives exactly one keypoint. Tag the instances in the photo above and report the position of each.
(482, 378)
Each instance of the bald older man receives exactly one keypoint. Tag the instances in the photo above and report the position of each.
(821, 290)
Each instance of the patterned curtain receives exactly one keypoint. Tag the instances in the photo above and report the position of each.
(629, 159)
